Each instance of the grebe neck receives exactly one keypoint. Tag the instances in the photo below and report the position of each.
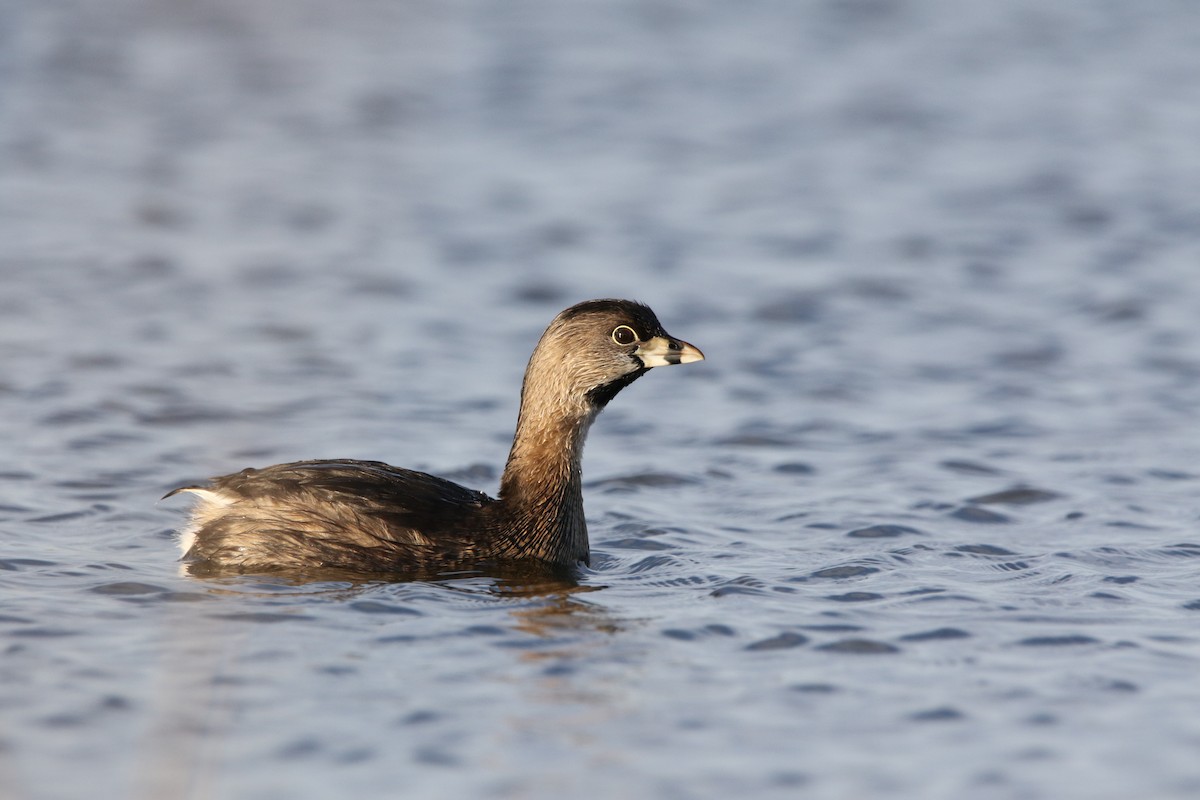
(541, 489)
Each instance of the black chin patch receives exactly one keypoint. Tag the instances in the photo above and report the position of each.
(600, 396)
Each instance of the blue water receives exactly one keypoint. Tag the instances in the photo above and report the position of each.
(925, 523)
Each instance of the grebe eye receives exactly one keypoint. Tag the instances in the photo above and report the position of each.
(623, 334)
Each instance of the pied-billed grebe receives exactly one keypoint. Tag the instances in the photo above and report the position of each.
(369, 516)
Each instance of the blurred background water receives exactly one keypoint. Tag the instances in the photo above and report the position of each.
(924, 524)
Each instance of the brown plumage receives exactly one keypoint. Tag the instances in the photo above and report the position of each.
(367, 516)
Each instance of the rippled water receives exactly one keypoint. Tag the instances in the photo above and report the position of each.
(924, 524)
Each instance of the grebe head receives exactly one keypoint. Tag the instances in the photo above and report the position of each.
(596, 348)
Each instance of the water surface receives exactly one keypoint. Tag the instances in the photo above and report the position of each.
(924, 524)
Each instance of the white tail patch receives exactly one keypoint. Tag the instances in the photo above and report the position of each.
(210, 506)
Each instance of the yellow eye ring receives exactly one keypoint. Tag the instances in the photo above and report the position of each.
(623, 334)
